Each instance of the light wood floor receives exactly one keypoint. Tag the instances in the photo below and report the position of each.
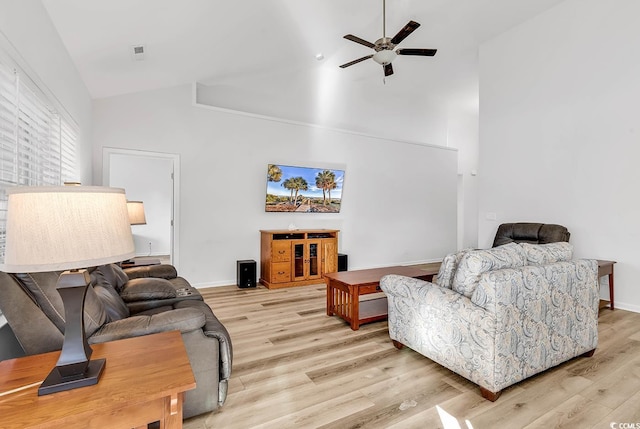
(296, 367)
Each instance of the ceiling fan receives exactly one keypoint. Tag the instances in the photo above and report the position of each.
(384, 46)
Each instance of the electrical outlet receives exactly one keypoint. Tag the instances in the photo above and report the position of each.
(149, 248)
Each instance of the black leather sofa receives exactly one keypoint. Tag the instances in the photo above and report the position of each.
(534, 233)
(122, 304)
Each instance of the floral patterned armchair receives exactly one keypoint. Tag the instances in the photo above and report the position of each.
(500, 315)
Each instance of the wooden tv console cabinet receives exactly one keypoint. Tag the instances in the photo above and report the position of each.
(297, 258)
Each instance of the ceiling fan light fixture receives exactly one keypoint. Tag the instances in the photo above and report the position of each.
(384, 56)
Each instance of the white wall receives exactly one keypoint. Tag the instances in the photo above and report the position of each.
(399, 199)
(34, 44)
(462, 133)
(559, 127)
(148, 179)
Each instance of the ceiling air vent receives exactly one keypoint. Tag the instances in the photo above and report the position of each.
(137, 51)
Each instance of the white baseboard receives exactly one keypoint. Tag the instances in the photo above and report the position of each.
(214, 284)
(627, 307)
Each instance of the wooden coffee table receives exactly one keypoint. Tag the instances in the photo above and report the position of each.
(344, 289)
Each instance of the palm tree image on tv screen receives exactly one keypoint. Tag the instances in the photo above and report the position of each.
(303, 189)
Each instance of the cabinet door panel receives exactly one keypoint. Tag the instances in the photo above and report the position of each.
(299, 260)
(314, 259)
(329, 255)
(280, 272)
(280, 251)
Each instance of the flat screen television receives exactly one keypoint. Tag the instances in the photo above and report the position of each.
(303, 189)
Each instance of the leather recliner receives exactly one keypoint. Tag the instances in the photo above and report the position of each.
(533, 233)
(151, 300)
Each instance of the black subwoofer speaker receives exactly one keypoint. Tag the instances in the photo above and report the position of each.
(246, 270)
(343, 262)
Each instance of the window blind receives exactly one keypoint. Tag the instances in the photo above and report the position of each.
(37, 143)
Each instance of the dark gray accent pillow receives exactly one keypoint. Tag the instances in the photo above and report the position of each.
(145, 289)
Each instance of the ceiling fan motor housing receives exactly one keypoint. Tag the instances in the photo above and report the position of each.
(383, 43)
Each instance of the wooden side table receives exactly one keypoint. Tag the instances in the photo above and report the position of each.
(144, 381)
(605, 268)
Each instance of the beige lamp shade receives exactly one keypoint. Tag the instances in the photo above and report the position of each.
(52, 228)
(136, 213)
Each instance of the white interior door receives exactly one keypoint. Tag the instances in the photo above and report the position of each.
(151, 178)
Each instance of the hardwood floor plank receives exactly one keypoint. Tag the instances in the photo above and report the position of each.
(341, 368)
(317, 416)
(628, 412)
(429, 418)
(296, 367)
(618, 386)
(607, 360)
(394, 403)
(310, 364)
(522, 409)
(576, 412)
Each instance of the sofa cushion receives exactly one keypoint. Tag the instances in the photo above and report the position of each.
(476, 262)
(147, 288)
(539, 254)
(42, 288)
(114, 305)
(110, 274)
(107, 281)
(121, 276)
(448, 269)
(164, 271)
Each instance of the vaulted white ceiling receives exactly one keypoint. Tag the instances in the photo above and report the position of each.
(259, 55)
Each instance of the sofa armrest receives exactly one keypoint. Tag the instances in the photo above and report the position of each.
(441, 324)
(414, 299)
(213, 328)
(163, 271)
(183, 320)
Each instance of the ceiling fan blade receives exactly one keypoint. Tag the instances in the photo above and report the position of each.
(356, 61)
(417, 51)
(359, 40)
(406, 30)
(388, 69)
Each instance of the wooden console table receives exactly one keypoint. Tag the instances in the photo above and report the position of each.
(344, 289)
(144, 381)
(605, 268)
(140, 262)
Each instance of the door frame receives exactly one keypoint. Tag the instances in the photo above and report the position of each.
(174, 238)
